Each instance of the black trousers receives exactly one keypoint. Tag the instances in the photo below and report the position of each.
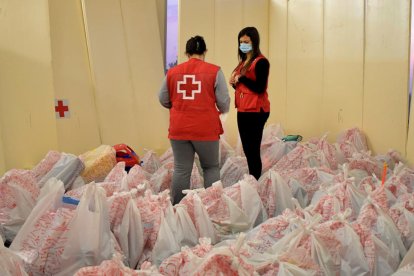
(251, 125)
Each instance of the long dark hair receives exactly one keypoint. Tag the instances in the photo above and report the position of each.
(253, 33)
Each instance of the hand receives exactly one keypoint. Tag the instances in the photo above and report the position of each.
(234, 79)
(231, 81)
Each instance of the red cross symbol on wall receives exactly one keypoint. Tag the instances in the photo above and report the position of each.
(189, 87)
(61, 108)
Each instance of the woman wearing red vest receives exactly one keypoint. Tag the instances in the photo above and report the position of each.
(252, 103)
(196, 93)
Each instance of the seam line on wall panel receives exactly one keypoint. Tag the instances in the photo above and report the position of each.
(268, 29)
(53, 81)
(179, 43)
(409, 110)
(363, 64)
(286, 61)
(214, 31)
(242, 8)
(164, 47)
(130, 71)
(321, 130)
(90, 66)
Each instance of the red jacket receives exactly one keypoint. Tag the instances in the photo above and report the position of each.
(247, 100)
(193, 115)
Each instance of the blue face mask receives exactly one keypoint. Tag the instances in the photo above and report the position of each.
(245, 47)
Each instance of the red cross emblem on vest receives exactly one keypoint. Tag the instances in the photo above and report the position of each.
(189, 86)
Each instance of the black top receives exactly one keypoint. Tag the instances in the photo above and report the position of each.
(262, 73)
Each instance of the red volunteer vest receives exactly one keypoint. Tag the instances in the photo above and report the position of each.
(193, 115)
(247, 100)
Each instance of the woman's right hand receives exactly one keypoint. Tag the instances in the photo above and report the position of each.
(232, 81)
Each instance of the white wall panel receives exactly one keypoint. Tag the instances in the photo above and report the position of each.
(127, 65)
(196, 17)
(410, 137)
(227, 28)
(256, 13)
(146, 65)
(72, 79)
(109, 60)
(2, 159)
(278, 60)
(304, 67)
(343, 66)
(27, 116)
(385, 109)
(162, 22)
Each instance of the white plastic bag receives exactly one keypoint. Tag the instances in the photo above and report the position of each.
(385, 263)
(203, 222)
(18, 195)
(50, 199)
(287, 269)
(238, 221)
(233, 170)
(330, 263)
(38, 241)
(408, 258)
(131, 234)
(88, 241)
(67, 169)
(252, 204)
(150, 161)
(186, 233)
(10, 263)
(353, 261)
(272, 151)
(166, 244)
(278, 192)
(225, 151)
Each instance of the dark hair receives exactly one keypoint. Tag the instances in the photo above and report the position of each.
(195, 45)
(255, 38)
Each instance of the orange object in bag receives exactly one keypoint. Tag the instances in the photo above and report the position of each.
(126, 154)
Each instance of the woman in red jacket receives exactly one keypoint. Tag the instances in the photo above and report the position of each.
(196, 93)
(253, 107)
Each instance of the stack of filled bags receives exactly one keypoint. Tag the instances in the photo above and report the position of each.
(318, 209)
(353, 223)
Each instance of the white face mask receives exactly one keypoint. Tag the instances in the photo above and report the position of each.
(245, 47)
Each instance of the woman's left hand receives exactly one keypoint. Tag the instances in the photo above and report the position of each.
(236, 78)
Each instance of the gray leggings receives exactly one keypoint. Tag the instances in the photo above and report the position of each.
(184, 150)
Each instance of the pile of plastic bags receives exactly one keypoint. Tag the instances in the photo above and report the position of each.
(319, 208)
